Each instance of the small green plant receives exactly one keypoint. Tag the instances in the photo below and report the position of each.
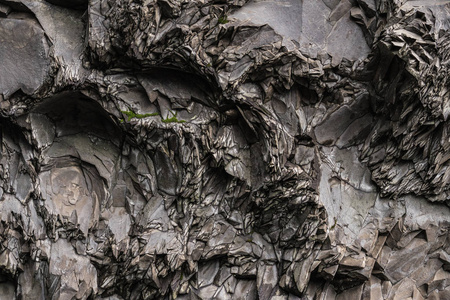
(223, 20)
(131, 114)
(173, 119)
(334, 225)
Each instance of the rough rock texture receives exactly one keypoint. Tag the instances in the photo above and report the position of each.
(200, 149)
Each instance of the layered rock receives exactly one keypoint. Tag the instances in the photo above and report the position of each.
(224, 150)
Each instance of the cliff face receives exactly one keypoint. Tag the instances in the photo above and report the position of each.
(194, 149)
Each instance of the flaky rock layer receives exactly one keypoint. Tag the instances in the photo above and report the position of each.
(174, 149)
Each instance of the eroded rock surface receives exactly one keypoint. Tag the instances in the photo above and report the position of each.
(168, 149)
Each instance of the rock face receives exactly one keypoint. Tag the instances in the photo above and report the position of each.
(197, 149)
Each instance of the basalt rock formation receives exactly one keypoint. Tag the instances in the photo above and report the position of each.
(235, 149)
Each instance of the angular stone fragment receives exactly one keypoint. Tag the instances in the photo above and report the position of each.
(353, 262)
(401, 263)
(78, 277)
(353, 293)
(24, 56)
(4, 10)
(402, 290)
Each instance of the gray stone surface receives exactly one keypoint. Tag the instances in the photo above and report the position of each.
(172, 149)
(24, 55)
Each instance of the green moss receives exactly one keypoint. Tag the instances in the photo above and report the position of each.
(173, 119)
(223, 20)
(131, 114)
(334, 225)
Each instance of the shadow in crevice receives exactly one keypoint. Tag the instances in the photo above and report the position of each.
(72, 113)
(73, 4)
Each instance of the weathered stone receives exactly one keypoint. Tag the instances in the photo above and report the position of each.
(266, 280)
(440, 281)
(353, 293)
(353, 262)
(403, 262)
(207, 273)
(24, 53)
(76, 4)
(224, 149)
(4, 10)
(374, 289)
(402, 290)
